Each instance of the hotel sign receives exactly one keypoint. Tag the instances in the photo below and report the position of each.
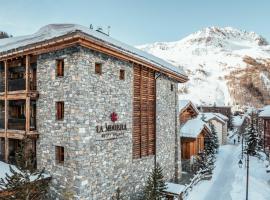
(111, 131)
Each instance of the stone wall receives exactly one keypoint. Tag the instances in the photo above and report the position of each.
(94, 169)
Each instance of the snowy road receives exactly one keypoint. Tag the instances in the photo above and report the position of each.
(228, 182)
(224, 177)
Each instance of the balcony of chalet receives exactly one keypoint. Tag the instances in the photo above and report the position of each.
(16, 115)
(16, 122)
(17, 76)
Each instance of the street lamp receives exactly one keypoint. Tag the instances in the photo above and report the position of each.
(240, 163)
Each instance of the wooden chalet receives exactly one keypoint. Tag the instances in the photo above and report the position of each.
(193, 130)
(264, 115)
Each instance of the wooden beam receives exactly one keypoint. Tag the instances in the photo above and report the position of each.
(27, 68)
(27, 113)
(6, 112)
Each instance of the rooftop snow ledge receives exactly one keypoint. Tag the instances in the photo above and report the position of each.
(52, 31)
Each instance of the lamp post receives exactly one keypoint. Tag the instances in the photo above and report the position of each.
(240, 164)
(247, 175)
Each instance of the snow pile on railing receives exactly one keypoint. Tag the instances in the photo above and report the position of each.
(202, 174)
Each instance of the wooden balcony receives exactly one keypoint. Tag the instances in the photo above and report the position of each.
(18, 134)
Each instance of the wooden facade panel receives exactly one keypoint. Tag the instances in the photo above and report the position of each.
(191, 147)
(267, 134)
(143, 112)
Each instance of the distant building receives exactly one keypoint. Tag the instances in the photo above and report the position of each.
(220, 123)
(240, 123)
(265, 127)
(224, 110)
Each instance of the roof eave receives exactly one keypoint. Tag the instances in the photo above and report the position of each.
(79, 37)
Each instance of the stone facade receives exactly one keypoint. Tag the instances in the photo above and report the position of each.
(94, 168)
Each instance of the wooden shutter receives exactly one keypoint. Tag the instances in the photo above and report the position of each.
(59, 154)
(151, 112)
(122, 74)
(59, 67)
(59, 110)
(143, 112)
(136, 138)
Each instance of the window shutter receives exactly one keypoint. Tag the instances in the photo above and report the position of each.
(59, 110)
(137, 112)
(60, 68)
(151, 112)
(143, 112)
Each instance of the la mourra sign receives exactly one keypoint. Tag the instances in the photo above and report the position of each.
(111, 131)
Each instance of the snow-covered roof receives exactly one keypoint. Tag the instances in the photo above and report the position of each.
(183, 104)
(210, 116)
(223, 117)
(174, 188)
(53, 31)
(265, 112)
(193, 127)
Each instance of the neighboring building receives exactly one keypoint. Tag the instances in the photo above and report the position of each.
(220, 123)
(224, 127)
(265, 127)
(224, 110)
(193, 134)
(98, 111)
(193, 131)
(240, 123)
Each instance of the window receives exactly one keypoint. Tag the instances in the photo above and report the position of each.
(98, 68)
(171, 87)
(59, 68)
(59, 155)
(122, 74)
(144, 136)
(60, 110)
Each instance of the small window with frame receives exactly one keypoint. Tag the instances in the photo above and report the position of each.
(59, 67)
(122, 74)
(172, 87)
(59, 154)
(98, 68)
(60, 110)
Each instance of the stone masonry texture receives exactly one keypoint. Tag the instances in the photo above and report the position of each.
(93, 168)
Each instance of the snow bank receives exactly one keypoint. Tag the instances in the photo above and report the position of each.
(174, 188)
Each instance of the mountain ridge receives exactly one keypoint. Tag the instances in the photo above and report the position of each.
(209, 57)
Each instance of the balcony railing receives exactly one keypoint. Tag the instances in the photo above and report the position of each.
(16, 124)
(16, 84)
(2, 123)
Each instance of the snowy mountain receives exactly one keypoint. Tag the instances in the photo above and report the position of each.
(221, 64)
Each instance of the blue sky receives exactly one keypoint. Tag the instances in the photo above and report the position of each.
(137, 21)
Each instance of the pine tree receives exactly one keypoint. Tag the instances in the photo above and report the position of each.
(155, 185)
(212, 143)
(25, 181)
(252, 137)
(4, 35)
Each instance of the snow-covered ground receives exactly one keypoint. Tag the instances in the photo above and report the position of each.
(229, 181)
